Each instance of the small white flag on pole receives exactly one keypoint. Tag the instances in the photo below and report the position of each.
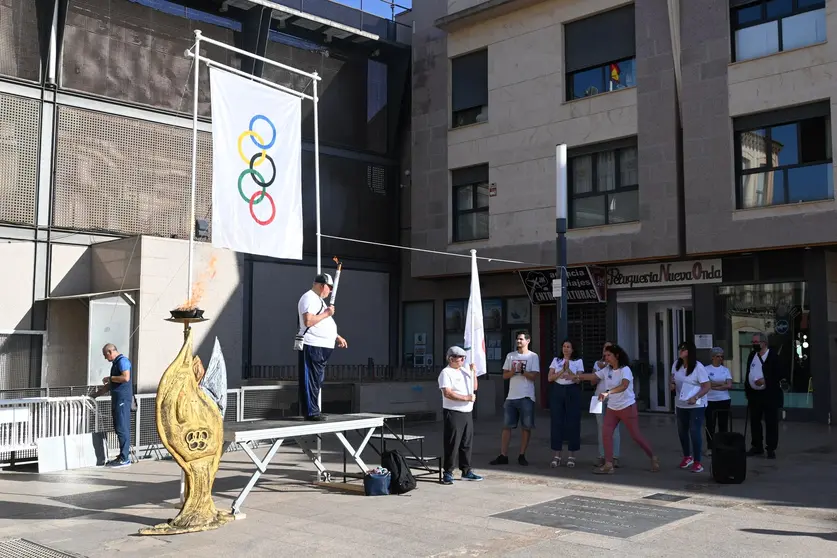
(474, 328)
(256, 167)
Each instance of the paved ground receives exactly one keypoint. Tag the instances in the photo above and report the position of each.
(787, 507)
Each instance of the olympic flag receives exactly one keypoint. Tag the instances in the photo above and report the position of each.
(474, 328)
(256, 167)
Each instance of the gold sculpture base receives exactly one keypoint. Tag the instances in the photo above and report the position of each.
(192, 430)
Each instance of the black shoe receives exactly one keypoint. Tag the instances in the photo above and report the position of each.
(521, 460)
(755, 452)
(316, 418)
(500, 460)
(771, 454)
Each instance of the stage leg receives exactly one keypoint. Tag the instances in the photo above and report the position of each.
(261, 468)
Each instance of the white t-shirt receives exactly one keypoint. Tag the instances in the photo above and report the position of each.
(689, 385)
(520, 386)
(600, 387)
(323, 334)
(575, 367)
(718, 374)
(756, 372)
(613, 378)
(460, 381)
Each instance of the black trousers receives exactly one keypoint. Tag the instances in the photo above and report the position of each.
(458, 435)
(761, 409)
(717, 416)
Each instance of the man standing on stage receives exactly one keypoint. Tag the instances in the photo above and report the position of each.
(764, 396)
(459, 386)
(121, 399)
(318, 331)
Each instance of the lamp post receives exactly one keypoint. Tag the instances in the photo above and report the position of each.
(559, 291)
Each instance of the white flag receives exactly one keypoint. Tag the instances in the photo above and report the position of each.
(256, 167)
(474, 330)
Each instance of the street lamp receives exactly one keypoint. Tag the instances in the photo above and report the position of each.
(559, 286)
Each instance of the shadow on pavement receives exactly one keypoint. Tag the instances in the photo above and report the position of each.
(776, 533)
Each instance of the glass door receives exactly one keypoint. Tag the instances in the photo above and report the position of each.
(669, 326)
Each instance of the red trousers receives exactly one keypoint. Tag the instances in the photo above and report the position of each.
(629, 416)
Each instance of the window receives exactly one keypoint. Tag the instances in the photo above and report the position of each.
(604, 186)
(595, 65)
(469, 88)
(784, 157)
(762, 27)
(470, 203)
(418, 334)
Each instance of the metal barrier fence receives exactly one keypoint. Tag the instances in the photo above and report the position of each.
(24, 421)
(362, 374)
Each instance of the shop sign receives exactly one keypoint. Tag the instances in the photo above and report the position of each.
(671, 274)
(584, 284)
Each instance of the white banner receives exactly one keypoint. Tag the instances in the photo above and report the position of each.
(256, 167)
(474, 328)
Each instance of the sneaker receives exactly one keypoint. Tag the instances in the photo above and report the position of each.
(521, 460)
(471, 476)
(447, 478)
(118, 463)
(687, 462)
(500, 460)
(697, 467)
(316, 418)
(771, 454)
(601, 461)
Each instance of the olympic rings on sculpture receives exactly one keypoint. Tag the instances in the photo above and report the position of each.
(257, 159)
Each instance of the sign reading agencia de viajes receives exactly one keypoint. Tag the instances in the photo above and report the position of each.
(665, 274)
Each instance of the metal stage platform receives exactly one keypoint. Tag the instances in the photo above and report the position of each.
(305, 434)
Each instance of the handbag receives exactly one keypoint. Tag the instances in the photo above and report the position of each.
(299, 339)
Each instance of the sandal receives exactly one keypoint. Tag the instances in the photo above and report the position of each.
(571, 462)
(606, 469)
(655, 464)
(555, 463)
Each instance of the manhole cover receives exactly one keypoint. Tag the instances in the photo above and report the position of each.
(663, 497)
(598, 516)
(21, 548)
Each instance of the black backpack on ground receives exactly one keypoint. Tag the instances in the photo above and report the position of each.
(729, 455)
(401, 478)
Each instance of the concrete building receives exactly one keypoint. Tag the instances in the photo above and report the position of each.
(681, 224)
(95, 143)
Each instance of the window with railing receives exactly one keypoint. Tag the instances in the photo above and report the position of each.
(763, 27)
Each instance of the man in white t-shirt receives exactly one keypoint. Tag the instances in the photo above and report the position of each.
(458, 386)
(521, 369)
(318, 332)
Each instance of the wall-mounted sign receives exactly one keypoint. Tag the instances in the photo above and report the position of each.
(669, 274)
(584, 284)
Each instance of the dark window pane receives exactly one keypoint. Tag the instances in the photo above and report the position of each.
(605, 171)
(482, 195)
(785, 145)
(811, 4)
(628, 170)
(472, 226)
(753, 146)
(762, 189)
(582, 175)
(779, 8)
(470, 116)
(464, 198)
(750, 14)
(815, 135)
(810, 183)
(623, 207)
(588, 212)
(588, 82)
(469, 81)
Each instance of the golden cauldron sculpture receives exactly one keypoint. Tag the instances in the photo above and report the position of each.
(191, 427)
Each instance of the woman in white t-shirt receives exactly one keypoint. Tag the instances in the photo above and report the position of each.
(565, 404)
(621, 406)
(600, 388)
(690, 382)
(718, 400)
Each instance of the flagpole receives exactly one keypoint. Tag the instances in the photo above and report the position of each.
(473, 336)
(194, 163)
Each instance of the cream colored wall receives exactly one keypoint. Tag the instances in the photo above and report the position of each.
(16, 286)
(163, 286)
(116, 265)
(70, 269)
(527, 115)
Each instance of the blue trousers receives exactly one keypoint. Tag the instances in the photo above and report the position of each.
(689, 426)
(565, 415)
(312, 363)
(120, 408)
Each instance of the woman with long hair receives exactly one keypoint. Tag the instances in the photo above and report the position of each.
(621, 406)
(565, 404)
(600, 387)
(690, 382)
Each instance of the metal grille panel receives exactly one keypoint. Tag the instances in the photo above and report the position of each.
(376, 179)
(19, 119)
(128, 176)
(263, 404)
(20, 360)
(19, 52)
(587, 327)
(21, 548)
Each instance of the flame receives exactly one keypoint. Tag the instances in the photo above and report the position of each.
(199, 287)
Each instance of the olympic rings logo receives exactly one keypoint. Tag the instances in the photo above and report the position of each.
(256, 160)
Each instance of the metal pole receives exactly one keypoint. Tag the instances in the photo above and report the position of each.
(194, 163)
(561, 241)
(317, 175)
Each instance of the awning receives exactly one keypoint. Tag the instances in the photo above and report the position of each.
(94, 295)
(305, 17)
